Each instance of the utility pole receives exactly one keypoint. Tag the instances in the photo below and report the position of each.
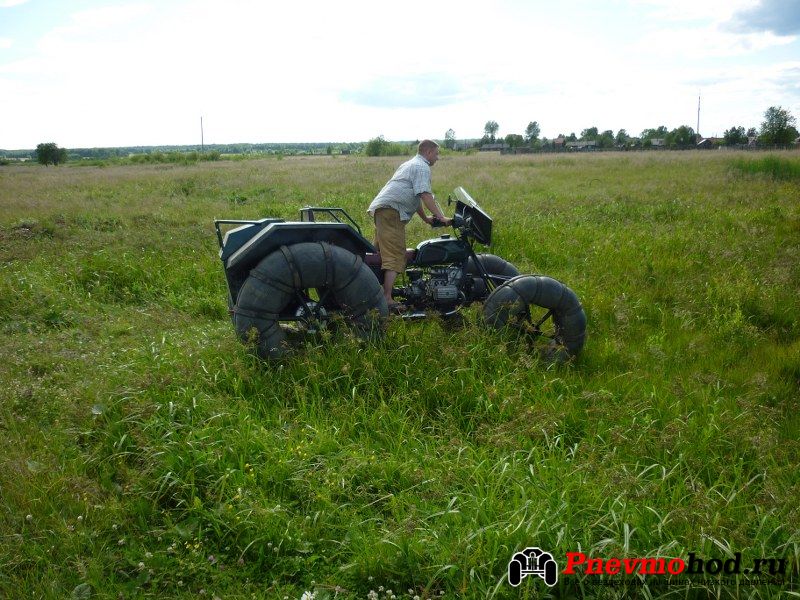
(202, 143)
(698, 115)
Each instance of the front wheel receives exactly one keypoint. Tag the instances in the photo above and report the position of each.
(543, 308)
(493, 265)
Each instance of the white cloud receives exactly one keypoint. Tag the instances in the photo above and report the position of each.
(6, 43)
(701, 43)
(10, 3)
(780, 17)
(693, 10)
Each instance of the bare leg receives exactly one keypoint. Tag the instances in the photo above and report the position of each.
(388, 283)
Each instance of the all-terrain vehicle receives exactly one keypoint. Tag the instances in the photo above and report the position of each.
(290, 279)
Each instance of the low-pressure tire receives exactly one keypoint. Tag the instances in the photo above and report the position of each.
(307, 284)
(559, 322)
(494, 265)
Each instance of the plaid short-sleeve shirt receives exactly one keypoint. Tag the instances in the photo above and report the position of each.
(402, 191)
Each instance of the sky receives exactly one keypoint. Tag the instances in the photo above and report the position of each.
(101, 73)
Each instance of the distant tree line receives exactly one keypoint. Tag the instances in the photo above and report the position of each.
(221, 150)
(777, 129)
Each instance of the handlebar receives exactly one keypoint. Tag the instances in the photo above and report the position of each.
(457, 221)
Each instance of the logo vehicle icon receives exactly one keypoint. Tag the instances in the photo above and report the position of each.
(532, 561)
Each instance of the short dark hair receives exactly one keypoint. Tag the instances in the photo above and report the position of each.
(426, 145)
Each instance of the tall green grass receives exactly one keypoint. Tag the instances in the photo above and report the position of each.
(145, 453)
(776, 167)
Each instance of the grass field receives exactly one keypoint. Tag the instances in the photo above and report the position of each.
(145, 453)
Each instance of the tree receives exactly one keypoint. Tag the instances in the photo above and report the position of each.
(622, 138)
(606, 139)
(514, 139)
(50, 154)
(532, 132)
(778, 127)
(450, 139)
(682, 137)
(752, 132)
(376, 146)
(735, 136)
(654, 134)
(490, 129)
(590, 134)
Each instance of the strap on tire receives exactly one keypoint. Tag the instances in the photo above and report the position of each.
(296, 275)
(255, 314)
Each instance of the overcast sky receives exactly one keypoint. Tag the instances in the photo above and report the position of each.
(86, 73)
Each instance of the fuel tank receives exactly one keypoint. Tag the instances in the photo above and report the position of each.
(439, 251)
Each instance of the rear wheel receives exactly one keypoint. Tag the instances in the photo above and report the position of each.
(542, 308)
(303, 290)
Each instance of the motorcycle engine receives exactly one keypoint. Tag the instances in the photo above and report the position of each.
(440, 287)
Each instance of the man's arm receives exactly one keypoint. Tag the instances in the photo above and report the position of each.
(423, 215)
(430, 203)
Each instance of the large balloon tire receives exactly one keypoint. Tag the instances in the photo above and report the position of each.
(493, 265)
(273, 288)
(509, 306)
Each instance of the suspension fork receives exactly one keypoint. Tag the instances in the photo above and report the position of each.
(487, 278)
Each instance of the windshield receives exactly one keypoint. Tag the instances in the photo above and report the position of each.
(480, 224)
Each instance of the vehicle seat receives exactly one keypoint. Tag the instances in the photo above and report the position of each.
(374, 259)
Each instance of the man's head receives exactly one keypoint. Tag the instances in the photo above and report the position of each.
(430, 150)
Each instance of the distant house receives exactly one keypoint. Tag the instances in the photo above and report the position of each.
(709, 143)
(559, 142)
(582, 145)
(493, 147)
(658, 142)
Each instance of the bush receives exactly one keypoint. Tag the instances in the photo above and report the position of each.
(174, 157)
(380, 147)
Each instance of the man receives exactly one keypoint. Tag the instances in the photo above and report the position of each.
(405, 194)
